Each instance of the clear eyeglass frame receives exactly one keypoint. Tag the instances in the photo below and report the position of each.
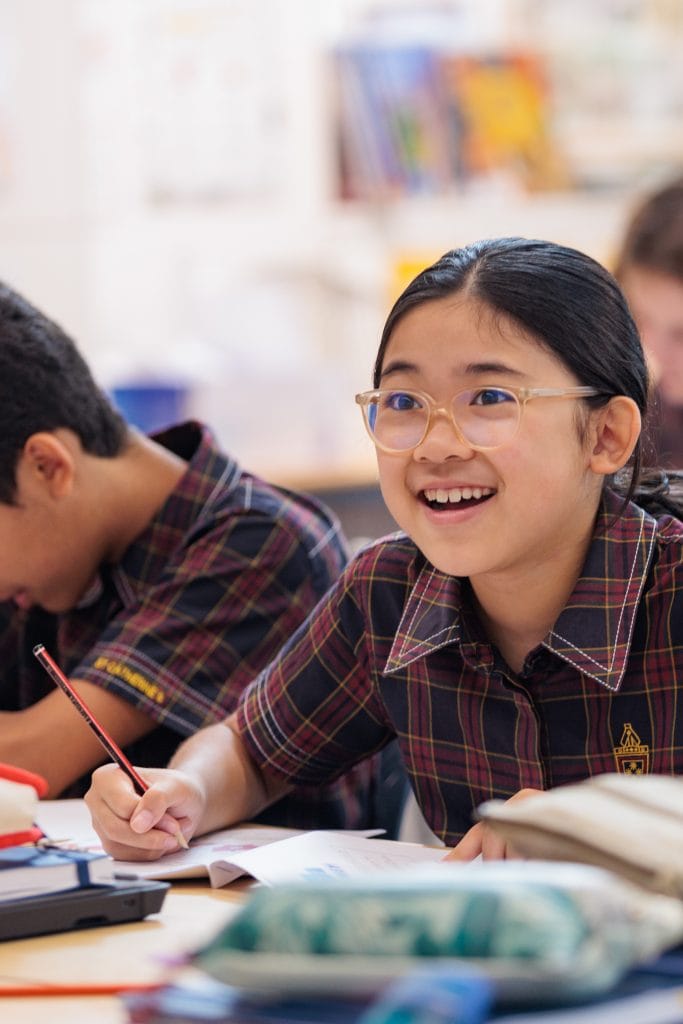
(366, 399)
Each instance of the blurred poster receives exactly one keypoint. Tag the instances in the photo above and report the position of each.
(200, 84)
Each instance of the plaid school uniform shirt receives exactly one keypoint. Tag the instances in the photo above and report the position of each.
(199, 603)
(396, 650)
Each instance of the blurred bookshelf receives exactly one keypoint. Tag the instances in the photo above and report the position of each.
(229, 194)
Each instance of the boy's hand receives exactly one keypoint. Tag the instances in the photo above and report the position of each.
(133, 827)
(482, 841)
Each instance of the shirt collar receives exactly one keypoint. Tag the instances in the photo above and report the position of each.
(431, 618)
(210, 475)
(594, 630)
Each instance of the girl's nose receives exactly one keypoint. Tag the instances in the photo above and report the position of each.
(443, 440)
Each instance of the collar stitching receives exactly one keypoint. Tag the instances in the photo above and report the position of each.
(608, 668)
(409, 626)
(399, 661)
(591, 675)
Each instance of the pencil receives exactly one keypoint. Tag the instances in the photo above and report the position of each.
(103, 736)
(78, 988)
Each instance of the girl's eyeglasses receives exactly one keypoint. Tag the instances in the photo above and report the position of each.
(483, 417)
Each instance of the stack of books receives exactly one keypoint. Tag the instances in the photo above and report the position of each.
(46, 888)
(418, 120)
(27, 871)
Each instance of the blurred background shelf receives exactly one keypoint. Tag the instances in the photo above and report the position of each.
(175, 182)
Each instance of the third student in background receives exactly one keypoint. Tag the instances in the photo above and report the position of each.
(650, 270)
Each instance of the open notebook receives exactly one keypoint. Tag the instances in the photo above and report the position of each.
(266, 853)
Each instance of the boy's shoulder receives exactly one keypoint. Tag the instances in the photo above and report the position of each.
(303, 516)
(232, 490)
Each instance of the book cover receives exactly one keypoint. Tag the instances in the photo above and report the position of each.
(391, 138)
(501, 117)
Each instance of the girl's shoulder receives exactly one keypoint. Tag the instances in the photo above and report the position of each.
(377, 582)
(666, 565)
(669, 532)
(383, 552)
(385, 562)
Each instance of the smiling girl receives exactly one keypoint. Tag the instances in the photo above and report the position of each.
(530, 614)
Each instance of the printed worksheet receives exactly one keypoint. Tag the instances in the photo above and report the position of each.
(316, 855)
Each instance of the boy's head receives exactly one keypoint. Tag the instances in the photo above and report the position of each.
(45, 384)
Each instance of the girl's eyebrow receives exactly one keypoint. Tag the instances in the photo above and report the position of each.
(470, 370)
(398, 366)
(476, 369)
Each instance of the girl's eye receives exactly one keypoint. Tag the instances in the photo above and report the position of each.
(401, 401)
(492, 396)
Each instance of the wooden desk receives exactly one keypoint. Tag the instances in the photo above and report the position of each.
(136, 953)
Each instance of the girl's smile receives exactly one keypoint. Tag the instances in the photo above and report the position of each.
(454, 502)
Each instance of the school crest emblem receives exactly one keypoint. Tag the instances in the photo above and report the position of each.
(632, 756)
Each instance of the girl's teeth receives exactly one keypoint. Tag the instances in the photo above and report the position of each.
(456, 494)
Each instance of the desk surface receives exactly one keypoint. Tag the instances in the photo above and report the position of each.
(135, 953)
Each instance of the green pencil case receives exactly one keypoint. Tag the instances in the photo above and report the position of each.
(569, 931)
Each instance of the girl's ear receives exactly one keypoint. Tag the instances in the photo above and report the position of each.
(614, 432)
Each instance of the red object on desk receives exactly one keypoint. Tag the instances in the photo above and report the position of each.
(25, 778)
(29, 835)
(13, 774)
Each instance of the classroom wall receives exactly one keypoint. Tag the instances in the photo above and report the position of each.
(169, 190)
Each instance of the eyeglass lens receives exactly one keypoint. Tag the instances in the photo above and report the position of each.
(487, 417)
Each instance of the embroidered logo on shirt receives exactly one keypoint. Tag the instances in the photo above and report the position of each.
(134, 679)
(632, 756)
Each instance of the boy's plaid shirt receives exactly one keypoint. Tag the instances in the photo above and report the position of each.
(202, 600)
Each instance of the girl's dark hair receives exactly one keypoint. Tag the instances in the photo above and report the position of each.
(654, 236)
(45, 384)
(574, 308)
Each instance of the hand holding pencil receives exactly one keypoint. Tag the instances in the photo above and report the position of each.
(165, 822)
(137, 828)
